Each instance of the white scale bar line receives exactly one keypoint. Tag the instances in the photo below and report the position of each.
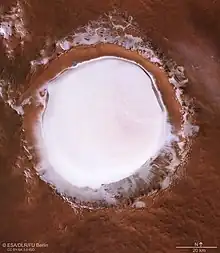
(193, 247)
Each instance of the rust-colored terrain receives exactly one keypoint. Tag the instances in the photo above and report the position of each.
(189, 33)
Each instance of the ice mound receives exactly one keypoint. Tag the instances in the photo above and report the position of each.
(103, 121)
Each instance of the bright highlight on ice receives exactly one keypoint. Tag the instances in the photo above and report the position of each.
(103, 121)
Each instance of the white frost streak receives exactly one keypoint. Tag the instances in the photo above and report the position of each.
(18, 109)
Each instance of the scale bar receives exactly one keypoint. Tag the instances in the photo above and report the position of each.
(194, 247)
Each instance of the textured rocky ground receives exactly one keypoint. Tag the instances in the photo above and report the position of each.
(187, 32)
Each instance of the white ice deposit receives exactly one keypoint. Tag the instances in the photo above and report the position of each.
(102, 122)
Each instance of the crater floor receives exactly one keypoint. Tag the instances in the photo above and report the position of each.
(103, 121)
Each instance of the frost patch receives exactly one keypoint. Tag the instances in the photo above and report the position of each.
(5, 94)
(12, 29)
(111, 28)
(139, 204)
(6, 29)
(27, 175)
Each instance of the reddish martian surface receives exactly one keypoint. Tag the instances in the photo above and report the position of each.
(34, 36)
